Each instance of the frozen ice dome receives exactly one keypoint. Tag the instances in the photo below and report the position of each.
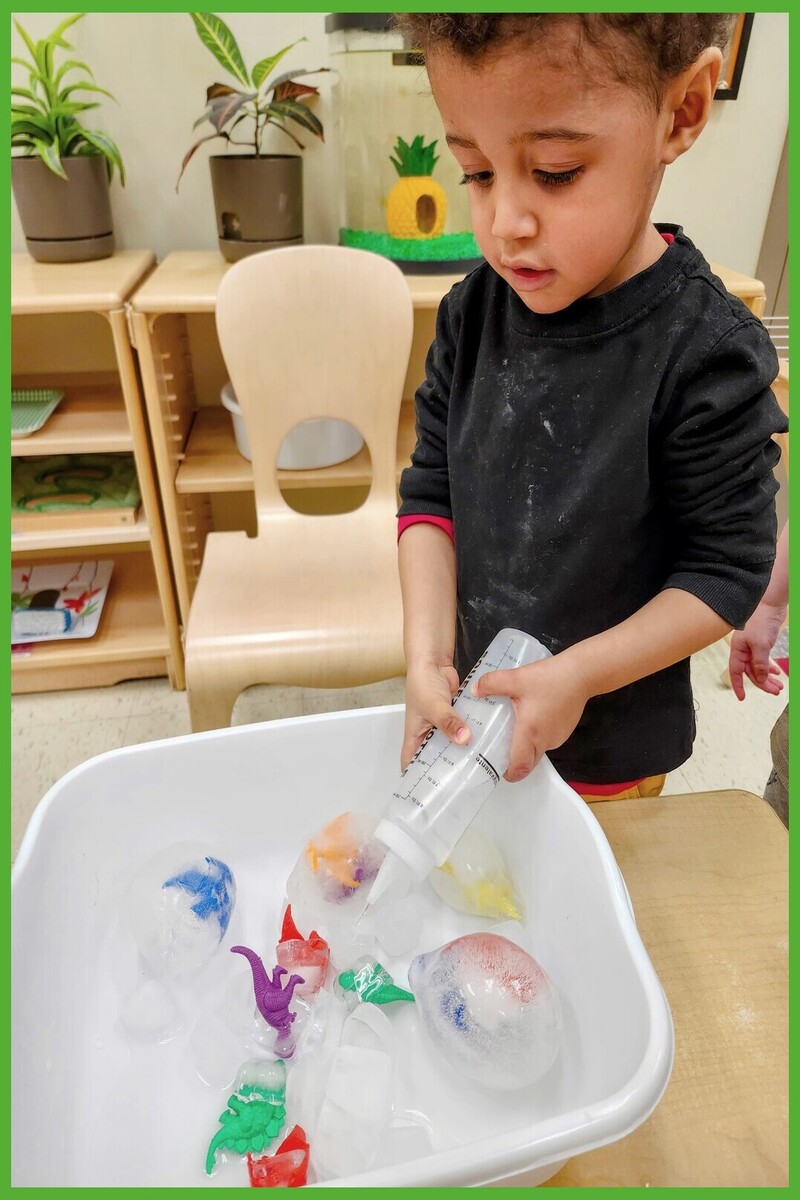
(475, 879)
(490, 1009)
(356, 1103)
(178, 910)
(329, 883)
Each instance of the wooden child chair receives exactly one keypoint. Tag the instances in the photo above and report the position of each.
(311, 601)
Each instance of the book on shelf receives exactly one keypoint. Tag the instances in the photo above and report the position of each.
(51, 602)
(70, 491)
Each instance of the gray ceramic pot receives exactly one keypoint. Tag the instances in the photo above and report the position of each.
(258, 202)
(64, 220)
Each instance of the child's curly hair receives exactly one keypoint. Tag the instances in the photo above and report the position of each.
(641, 50)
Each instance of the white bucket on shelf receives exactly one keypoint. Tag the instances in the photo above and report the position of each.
(320, 442)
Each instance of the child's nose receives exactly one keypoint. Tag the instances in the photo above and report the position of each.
(513, 218)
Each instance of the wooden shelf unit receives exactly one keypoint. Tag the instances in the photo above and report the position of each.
(102, 412)
(192, 436)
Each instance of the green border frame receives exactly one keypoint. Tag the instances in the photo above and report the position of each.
(5, 682)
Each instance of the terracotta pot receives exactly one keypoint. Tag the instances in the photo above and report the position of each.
(64, 220)
(258, 202)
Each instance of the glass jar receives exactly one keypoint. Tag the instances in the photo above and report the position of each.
(401, 195)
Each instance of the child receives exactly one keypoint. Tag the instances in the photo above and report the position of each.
(594, 456)
(750, 656)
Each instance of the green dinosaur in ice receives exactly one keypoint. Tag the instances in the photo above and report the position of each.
(373, 984)
(254, 1116)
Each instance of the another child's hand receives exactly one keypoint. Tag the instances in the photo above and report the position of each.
(750, 651)
(430, 689)
(548, 698)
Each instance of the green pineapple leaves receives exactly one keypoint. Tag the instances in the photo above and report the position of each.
(416, 159)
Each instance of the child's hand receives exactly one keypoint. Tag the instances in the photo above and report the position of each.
(750, 649)
(548, 699)
(429, 693)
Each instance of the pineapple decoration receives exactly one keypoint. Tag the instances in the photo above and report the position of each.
(416, 206)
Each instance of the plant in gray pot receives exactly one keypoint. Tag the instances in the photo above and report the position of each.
(258, 197)
(61, 178)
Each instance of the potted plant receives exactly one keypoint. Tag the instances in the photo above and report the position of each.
(258, 197)
(61, 179)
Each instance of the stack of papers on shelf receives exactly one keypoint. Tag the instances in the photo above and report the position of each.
(73, 491)
(55, 601)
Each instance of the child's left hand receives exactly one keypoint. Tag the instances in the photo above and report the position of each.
(548, 699)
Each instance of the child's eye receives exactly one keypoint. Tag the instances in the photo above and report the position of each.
(478, 178)
(558, 178)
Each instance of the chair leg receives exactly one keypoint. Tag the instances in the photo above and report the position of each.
(211, 700)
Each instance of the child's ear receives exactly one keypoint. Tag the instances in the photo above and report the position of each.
(687, 105)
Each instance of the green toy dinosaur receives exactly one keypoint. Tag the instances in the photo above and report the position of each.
(372, 983)
(254, 1116)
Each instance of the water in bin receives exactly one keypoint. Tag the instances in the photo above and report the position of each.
(321, 442)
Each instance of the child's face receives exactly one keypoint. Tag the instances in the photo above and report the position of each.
(562, 173)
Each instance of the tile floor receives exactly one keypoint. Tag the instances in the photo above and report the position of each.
(52, 732)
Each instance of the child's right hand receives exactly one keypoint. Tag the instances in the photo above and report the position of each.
(430, 688)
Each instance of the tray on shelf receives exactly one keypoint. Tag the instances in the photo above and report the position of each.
(69, 490)
(52, 602)
(31, 407)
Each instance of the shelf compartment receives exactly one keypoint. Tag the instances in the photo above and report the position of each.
(49, 537)
(90, 418)
(130, 643)
(213, 464)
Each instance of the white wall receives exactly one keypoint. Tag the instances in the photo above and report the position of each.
(157, 68)
(720, 191)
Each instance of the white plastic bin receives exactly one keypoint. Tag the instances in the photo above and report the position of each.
(91, 1110)
(320, 442)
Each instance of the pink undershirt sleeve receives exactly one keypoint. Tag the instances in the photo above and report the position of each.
(443, 522)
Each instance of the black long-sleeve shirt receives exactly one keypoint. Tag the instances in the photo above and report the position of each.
(591, 458)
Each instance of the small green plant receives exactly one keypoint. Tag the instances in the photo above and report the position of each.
(416, 159)
(45, 119)
(259, 99)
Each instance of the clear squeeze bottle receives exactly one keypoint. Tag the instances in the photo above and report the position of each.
(444, 786)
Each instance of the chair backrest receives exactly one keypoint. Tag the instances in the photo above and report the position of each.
(316, 331)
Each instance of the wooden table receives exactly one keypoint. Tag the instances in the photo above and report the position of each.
(708, 877)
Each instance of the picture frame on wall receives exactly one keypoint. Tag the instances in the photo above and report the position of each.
(733, 62)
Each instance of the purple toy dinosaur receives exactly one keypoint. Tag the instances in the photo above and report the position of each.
(272, 998)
